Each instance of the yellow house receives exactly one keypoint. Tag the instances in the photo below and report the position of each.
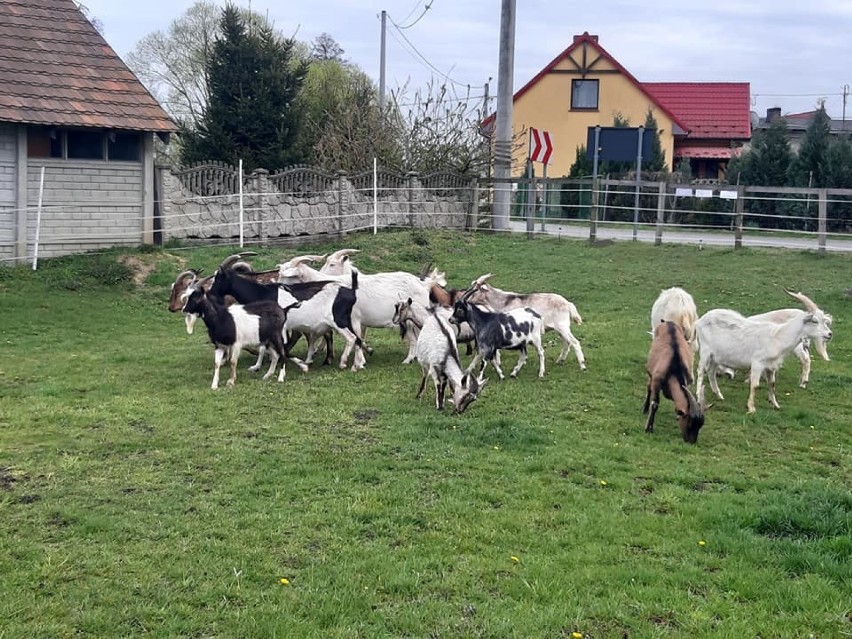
(584, 86)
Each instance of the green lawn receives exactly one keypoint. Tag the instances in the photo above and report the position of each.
(136, 502)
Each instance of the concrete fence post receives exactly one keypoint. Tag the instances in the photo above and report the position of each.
(341, 199)
(473, 215)
(822, 222)
(260, 184)
(738, 217)
(411, 184)
(661, 212)
(593, 212)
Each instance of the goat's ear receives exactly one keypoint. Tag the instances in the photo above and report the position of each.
(409, 301)
(465, 381)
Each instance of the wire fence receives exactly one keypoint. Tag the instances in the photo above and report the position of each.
(289, 212)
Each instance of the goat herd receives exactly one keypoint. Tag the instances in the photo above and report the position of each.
(271, 310)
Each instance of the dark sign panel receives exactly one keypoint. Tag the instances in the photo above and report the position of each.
(619, 144)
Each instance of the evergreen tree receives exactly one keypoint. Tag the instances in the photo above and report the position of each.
(657, 161)
(253, 114)
(582, 166)
(811, 165)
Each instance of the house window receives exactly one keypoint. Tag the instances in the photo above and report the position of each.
(85, 145)
(584, 94)
(44, 142)
(123, 146)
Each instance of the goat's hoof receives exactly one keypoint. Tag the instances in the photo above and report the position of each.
(230, 384)
(803, 385)
(254, 369)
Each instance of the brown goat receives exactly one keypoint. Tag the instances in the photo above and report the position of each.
(670, 371)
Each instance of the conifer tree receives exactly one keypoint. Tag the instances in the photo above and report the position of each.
(252, 113)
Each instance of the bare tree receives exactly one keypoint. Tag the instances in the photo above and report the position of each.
(324, 47)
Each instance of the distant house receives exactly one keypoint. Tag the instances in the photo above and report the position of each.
(797, 124)
(68, 104)
(585, 86)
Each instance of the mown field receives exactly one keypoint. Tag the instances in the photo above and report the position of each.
(136, 502)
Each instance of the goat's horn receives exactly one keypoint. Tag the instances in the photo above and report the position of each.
(694, 406)
(807, 302)
(188, 273)
(231, 259)
(343, 253)
(301, 259)
(479, 281)
(425, 270)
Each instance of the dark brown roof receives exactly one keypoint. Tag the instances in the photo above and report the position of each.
(56, 69)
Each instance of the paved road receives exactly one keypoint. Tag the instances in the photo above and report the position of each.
(625, 233)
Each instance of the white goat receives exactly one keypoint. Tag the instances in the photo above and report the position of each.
(438, 355)
(802, 350)
(410, 316)
(377, 294)
(676, 305)
(556, 312)
(727, 339)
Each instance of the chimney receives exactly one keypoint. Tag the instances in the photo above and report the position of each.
(773, 114)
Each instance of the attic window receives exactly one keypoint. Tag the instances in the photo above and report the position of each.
(584, 95)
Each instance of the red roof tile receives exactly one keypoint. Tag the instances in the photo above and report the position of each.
(716, 110)
(56, 69)
(705, 151)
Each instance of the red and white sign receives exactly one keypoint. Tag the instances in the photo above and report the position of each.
(541, 148)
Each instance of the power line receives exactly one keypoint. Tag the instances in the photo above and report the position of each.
(420, 17)
(423, 57)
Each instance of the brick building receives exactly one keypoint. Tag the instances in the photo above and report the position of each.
(70, 106)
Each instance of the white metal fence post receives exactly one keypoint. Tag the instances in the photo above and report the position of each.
(38, 219)
(242, 204)
(375, 196)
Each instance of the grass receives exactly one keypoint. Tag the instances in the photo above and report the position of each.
(136, 502)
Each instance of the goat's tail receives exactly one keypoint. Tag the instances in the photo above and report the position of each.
(574, 313)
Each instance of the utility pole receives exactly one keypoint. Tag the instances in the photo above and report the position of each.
(382, 62)
(486, 142)
(845, 95)
(503, 132)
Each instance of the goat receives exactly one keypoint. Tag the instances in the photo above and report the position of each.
(179, 287)
(802, 350)
(676, 305)
(670, 371)
(326, 305)
(234, 327)
(411, 315)
(438, 294)
(727, 339)
(377, 292)
(513, 329)
(556, 312)
(438, 356)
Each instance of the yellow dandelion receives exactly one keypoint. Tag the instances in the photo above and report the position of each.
(603, 482)
(702, 543)
(514, 559)
(496, 448)
(577, 635)
(284, 581)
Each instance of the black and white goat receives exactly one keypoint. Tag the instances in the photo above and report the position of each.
(326, 305)
(410, 316)
(232, 328)
(556, 312)
(513, 329)
(726, 339)
(377, 292)
(670, 372)
(438, 355)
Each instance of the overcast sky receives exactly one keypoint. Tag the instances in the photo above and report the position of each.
(792, 52)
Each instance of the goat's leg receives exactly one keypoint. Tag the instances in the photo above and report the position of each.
(494, 360)
(699, 382)
(754, 382)
(274, 356)
(803, 353)
(569, 342)
(522, 358)
(770, 382)
(218, 358)
(411, 335)
(540, 350)
(261, 351)
(442, 392)
(714, 382)
(476, 359)
(329, 348)
(235, 357)
(424, 374)
(654, 405)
